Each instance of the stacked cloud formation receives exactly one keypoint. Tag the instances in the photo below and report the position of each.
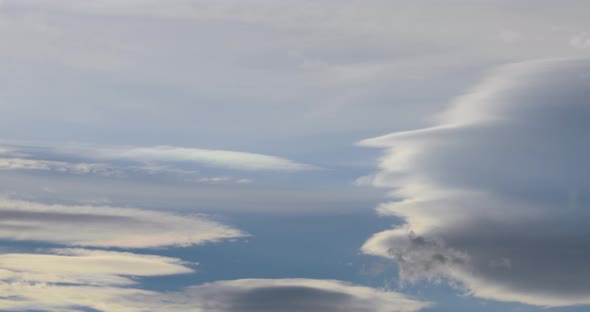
(78, 279)
(495, 195)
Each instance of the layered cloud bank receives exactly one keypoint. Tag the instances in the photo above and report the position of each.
(495, 195)
(77, 279)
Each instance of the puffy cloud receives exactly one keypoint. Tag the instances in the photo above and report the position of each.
(105, 226)
(261, 295)
(494, 195)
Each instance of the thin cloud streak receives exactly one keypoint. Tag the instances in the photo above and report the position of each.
(106, 226)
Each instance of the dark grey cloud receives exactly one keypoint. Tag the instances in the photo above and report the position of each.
(290, 299)
(497, 193)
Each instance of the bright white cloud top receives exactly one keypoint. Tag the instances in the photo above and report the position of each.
(495, 196)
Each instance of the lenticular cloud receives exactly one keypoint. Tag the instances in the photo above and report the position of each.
(496, 194)
(103, 226)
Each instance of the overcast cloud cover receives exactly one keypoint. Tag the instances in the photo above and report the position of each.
(224, 156)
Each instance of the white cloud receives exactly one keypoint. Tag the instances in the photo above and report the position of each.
(85, 267)
(260, 295)
(493, 195)
(106, 226)
(157, 159)
(57, 298)
(212, 158)
(77, 279)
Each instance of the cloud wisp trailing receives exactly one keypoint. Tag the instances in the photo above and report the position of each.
(494, 195)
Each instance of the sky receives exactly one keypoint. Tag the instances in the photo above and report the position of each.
(294, 155)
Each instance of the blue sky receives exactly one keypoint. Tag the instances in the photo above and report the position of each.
(344, 156)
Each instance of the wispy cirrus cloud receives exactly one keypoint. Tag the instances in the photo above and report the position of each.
(494, 195)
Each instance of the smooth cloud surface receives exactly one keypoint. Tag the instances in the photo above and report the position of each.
(105, 226)
(18, 156)
(495, 196)
(290, 295)
(260, 295)
(207, 157)
(85, 267)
